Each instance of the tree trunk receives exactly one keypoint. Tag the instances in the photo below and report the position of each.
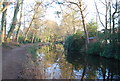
(12, 27)
(106, 24)
(79, 5)
(29, 28)
(110, 20)
(83, 74)
(84, 25)
(32, 20)
(3, 24)
(19, 25)
(113, 20)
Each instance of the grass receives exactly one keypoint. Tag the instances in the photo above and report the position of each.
(32, 51)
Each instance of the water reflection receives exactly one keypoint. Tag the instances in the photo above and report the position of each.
(95, 67)
(56, 64)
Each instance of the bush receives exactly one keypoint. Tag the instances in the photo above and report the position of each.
(94, 48)
(74, 42)
(104, 50)
(21, 39)
(111, 51)
(107, 51)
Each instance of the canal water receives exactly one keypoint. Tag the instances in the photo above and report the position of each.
(55, 63)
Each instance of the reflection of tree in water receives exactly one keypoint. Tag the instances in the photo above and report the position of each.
(94, 66)
(54, 54)
(51, 53)
(71, 63)
(66, 69)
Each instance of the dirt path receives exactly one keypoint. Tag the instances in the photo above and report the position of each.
(13, 60)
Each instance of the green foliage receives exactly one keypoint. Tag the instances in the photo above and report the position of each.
(110, 49)
(32, 50)
(104, 50)
(21, 39)
(107, 52)
(74, 42)
(117, 54)
(94, 48)
(92, 28)
(79, 32)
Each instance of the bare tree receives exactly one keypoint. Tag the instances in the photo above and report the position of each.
(12, 27)
(81, 9)
(19, 24)
(113, 18)
(107, 5)
(3, 23)
(35, 9)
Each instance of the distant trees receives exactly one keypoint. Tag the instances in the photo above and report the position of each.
(92, 28)
(71, 23)
(35, 16)
(52, 32)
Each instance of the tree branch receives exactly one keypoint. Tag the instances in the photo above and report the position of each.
(98, 14)
(1, 2)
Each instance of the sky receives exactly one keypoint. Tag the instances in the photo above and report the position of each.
(91, 10)
(50, 12)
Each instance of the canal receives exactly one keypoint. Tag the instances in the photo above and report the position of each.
(54, 63)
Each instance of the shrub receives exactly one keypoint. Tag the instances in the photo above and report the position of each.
(21, 39)
(94, 48)
(117, 54)
(107, 51)
(104, 50)
(74, 42)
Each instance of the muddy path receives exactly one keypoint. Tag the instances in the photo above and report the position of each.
(13, 60)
